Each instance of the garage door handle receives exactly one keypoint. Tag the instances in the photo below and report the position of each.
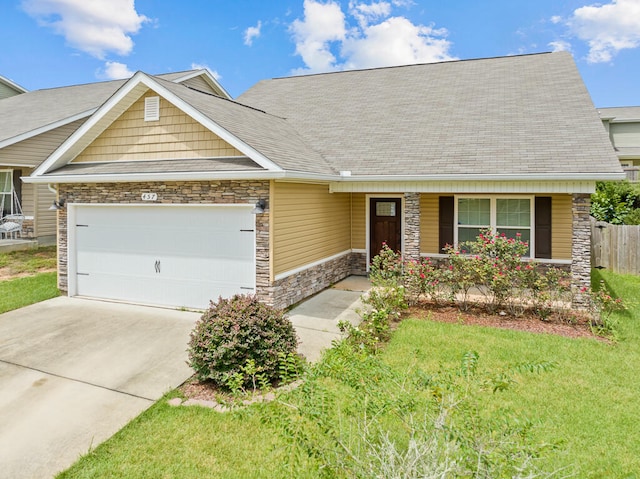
(157, 266)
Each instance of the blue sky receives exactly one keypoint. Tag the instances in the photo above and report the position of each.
(47, 43)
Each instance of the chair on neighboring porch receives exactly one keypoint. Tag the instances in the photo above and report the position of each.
(11, 225)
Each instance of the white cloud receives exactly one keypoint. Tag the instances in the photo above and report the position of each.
(560, 46)
(327, 40)
(115, 71)
(201, 66)
(323, 23)
(367, 13)
(556, 19)
(396, 41)
(251, 33)
(607, 28)
(96, 27)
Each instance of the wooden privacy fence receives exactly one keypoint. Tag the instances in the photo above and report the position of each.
(615, 247)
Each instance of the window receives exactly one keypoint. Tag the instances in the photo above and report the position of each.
(6, 190)
(504, 215)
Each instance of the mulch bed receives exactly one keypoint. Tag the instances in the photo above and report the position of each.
(577, 327)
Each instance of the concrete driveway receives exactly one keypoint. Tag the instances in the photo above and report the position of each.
(73, 372)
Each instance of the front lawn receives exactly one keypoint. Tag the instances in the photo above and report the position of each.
(573, 401)
(27, 277)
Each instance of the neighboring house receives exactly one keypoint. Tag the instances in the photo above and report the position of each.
(34, 124)
(9, 88)
(174, 197)
(623, 125)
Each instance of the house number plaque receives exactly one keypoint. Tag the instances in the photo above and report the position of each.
(149, 196)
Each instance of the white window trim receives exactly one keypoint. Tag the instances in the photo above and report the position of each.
(493, 212)
(10, 192)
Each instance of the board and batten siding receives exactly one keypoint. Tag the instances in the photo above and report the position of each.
(561, 225)
(309, 225)
(175, 135)
(358, 221)
(33, 151)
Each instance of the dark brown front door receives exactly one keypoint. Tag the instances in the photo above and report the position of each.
(385, 225)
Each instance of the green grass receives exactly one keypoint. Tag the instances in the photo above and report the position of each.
(588, 405)
(29, 261)
(20, 292)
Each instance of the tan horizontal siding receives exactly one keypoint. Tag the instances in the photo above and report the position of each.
(358, 221)
(33, 151)
(429, 219)
(175, 136)
(309, 224)
(561, 226)
(45, 219)
(28, 199)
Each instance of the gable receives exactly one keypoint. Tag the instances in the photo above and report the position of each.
(174, 136)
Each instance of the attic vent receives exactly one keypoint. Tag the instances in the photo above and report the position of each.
(152, 108)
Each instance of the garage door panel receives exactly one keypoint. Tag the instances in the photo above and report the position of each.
(173, 256)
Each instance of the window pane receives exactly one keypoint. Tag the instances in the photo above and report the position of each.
(525, 236)
(385, 208)
(468, 234)
(474, 211)
(513, 212)
(5, 181)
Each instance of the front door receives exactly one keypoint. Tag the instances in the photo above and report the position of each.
(385, 224)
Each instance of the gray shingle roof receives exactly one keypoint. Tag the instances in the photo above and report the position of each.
(270, 135)
(621, 113)
(509, 115)
(29, 111)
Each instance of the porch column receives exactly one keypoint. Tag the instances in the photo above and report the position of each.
(412, 226)
(580, 249)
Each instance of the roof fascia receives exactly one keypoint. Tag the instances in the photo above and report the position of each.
(208, 77)
(156, 177)
(483, 177)
(43, 129)
(12, 84)
(59, 157)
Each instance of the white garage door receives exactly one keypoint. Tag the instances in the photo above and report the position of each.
(161, 254)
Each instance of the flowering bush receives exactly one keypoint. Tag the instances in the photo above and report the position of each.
(489, 271)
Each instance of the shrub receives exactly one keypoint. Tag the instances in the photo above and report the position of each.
(236, 334)
(386, 268)
(616, 202)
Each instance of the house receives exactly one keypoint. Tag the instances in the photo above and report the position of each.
(33, 124)
(623, 126)
(9, 88)
(173, 196)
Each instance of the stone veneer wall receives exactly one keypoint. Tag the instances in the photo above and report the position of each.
(581, 249)
(411, 227)
(359, 264)
(192, 192)
(298, 286)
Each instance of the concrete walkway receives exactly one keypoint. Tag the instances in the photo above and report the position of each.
(316, 319)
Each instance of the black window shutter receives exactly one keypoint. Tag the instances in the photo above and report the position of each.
(543, 227)
(446, 222)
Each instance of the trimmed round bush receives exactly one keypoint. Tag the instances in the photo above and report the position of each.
(234, 331)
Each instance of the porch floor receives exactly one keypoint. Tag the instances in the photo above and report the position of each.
(7, 245)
